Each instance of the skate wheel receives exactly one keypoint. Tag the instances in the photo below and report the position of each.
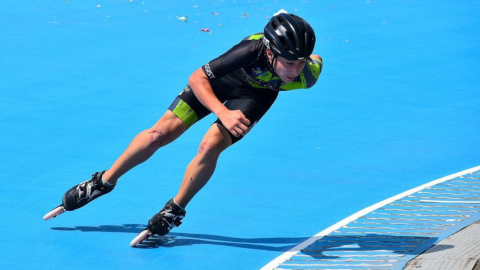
(55, 212)
(140, 237)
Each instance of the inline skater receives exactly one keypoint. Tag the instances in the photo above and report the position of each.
(239, 87)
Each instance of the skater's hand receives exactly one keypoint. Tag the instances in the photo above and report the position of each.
(235, 122)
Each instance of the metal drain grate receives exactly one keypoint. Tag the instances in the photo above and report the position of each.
(390, 233)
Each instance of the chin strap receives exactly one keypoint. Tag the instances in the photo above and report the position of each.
(274, 60)
(270, 65)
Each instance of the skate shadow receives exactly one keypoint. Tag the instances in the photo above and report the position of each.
(176, 239)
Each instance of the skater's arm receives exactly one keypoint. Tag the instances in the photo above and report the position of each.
(204, 92)
(234, 121)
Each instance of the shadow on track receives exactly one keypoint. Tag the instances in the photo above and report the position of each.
(174, 239)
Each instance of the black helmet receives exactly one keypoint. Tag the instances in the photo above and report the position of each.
(289, 36)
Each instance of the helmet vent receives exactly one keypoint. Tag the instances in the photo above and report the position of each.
(291, 37)
(274, 25)
(304, 37)
(283, 41)
(296, 18)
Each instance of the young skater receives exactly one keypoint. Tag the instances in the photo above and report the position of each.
(238, 87)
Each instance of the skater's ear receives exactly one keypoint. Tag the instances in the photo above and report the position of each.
(270, 54)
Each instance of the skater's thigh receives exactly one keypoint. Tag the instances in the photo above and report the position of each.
(169, 125)
(253, 109)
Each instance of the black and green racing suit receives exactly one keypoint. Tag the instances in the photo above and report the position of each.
(243, 79)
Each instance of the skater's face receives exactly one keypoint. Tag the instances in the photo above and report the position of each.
(287, 70)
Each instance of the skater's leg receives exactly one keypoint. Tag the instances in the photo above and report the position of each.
(203, 165)
(142, 147)
(196, 176)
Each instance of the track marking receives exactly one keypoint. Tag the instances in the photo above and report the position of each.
(287, 255)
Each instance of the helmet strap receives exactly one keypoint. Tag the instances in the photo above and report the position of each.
(271, 66)
(271, 61)
(274, 61)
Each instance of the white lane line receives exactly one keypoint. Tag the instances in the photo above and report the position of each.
(287, 255)
(462, 202)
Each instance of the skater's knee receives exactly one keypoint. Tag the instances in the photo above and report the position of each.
(165, 131)
(211, 147)
(158, 137)
(215, 141)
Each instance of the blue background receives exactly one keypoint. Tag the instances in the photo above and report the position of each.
(397, 105)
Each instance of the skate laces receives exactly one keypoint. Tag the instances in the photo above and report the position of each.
(90, 189)
(172, 215)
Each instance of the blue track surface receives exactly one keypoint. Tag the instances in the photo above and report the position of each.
(397, 105)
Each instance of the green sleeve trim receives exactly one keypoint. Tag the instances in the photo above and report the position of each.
(255, 36)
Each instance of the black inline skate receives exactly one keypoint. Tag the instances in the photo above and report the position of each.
(80, 195)
(161, 223)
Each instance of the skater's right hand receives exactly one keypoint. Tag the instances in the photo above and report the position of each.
(235, 122)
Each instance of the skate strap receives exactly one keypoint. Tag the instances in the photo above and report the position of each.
(177, 221)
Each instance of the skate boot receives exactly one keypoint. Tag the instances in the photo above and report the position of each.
(83, 193)
(170, 216)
